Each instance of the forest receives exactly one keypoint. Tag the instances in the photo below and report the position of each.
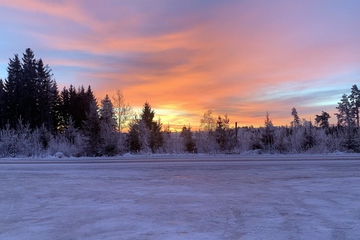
(39, 120)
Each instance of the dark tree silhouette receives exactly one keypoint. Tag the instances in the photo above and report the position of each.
(323, 119)
(354, 98)
(296, 121)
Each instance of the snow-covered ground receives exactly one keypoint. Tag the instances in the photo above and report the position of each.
(183, 197)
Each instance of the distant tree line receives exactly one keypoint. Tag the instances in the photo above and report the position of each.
(36, 119)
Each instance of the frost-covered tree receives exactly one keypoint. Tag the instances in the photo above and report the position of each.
(138, 137)
(208, 122)
(225, 137)
(345, 117)
(108, 127)
(268, 133)
(145, 133)
(123, 111)
(107, 115)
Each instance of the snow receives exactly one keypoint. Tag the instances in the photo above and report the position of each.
(183, 197)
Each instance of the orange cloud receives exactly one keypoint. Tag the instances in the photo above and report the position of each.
(239, 58)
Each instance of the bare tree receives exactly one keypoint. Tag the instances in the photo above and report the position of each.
(123, 111)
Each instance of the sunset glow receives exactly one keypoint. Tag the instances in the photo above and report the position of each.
(241, 58)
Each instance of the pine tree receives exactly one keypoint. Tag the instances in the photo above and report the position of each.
(345, 117)
(355, 102)
(296, 121)
(323, 119)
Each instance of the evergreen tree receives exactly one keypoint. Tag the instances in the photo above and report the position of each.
(29, 103)
(30, 93)
(222, 125)
(145, 133)
(147, 115)
(345, 117)
(323, 119)
(13, 91)
(92, 131)
(268, 133)
(107, 114)
(308, 136)
(156, 138)
(188, 140)
(296, 121)
(64, 110)
(355, 102)
(108, 126)
(48, 97)
(75, 104)
(2, 105)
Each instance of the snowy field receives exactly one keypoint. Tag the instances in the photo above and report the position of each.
(183, 197)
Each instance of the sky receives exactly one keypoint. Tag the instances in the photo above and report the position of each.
(236, 57)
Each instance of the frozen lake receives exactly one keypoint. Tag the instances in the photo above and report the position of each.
(195, 197)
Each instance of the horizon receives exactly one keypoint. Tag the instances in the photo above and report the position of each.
(184, 57)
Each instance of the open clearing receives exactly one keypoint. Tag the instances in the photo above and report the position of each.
(181, 197)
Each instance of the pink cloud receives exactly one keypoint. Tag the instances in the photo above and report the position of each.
(236, 58)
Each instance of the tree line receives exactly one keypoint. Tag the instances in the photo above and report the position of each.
(36, 119)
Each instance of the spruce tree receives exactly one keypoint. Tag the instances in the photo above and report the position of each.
(13, 87)
(29, 103)
(48, 97)
(147, 115)
(92, 131)
(108, 126)
(296, 121)
(145, 133)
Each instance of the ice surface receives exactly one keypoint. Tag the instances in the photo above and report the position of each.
(186, 198)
